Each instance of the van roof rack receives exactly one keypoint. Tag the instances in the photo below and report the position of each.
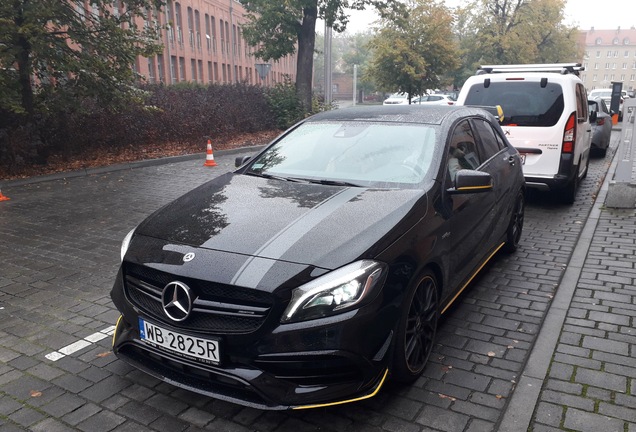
(562, 68)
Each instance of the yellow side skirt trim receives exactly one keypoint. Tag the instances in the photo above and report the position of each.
(472, 277)
(377, 389)
(115, 332)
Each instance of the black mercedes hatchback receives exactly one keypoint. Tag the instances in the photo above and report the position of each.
(320, 267)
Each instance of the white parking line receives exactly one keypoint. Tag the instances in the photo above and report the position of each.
(80, 344)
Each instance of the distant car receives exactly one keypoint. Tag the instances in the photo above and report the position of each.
(601, 121)
(320, 267)
(606, 95)
(397, 99)
(434, 99)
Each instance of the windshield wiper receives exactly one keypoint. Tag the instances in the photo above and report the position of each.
(333, 182)
(275, 177)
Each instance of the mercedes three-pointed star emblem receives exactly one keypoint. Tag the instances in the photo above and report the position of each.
(176, 300)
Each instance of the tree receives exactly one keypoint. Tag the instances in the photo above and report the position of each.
(513, 32)
(46, 45)
(279, 28)
(415, 55)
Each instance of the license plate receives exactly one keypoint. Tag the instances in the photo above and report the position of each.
(206, 350)
(523, 158)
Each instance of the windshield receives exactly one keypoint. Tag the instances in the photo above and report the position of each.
(601, 93)
(523, 103)
(353, 153)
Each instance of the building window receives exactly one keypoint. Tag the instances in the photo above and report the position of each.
(216, 72)
(222, 37)
(197, 28)
(177, 15)
(200, 62)
(626, 41)
(224, 73)
(160, 66)
(598, 54)
(594, 78)
(151, 70)
(209, 71)
(213, 33)
(193, 69)
(615, 41)
(598, 41)
(173, 69)
(182, 72)
(191, 27)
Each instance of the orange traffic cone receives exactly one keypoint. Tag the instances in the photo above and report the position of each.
(209, 157)
(2, 197)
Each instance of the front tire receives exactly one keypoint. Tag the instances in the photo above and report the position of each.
(416, 330)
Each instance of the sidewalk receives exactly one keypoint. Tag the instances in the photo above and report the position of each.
(581, 374)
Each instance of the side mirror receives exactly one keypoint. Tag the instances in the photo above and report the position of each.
(470, 181)
(593, 116)
(241, 160)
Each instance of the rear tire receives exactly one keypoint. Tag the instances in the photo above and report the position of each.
(416, 330)
(568, 194)
(515, 228)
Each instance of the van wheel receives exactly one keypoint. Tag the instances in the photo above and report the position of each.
(587, 168)
(568, 194)
(416, 330)
(513, 234)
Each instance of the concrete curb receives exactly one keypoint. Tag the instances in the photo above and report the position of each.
(123, 166)
(519, 412)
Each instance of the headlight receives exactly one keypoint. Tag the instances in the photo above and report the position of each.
(125, 243)
(334, 292)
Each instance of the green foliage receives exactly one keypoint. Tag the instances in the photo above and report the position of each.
(48, 46)
(284, 102)
(414, 55)
(184, 113)
(280, 28)
(513, 32)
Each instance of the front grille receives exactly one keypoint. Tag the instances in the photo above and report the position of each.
(216, 307)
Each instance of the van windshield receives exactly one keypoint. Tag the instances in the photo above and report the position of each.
(523, 103)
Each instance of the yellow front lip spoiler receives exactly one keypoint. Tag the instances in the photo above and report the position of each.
(370, 395)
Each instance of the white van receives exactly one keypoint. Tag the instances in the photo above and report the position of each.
(545, 118)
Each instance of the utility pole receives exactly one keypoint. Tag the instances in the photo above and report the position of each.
(328, 84)
(355, 83)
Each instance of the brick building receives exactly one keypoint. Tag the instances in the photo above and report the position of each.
(204, 43)
(610, 56)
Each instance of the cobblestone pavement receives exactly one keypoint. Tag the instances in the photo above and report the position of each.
(59, 253)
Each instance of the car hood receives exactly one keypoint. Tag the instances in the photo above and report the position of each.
(312, 224)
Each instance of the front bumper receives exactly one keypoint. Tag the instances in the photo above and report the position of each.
(281, 366)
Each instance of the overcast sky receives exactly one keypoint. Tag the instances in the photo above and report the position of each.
(600, 14)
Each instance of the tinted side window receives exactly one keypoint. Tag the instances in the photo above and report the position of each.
(581, 102)
(489, 145)
(524, 103)
(462, 151)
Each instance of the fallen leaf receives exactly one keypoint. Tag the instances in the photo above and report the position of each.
(104, 354)
(36, 393)
(491, 354)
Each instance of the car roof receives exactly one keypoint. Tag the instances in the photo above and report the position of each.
(425, 114)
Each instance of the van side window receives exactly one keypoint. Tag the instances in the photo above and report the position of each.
(581, 103)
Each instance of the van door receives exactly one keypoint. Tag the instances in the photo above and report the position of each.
(584, 130)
